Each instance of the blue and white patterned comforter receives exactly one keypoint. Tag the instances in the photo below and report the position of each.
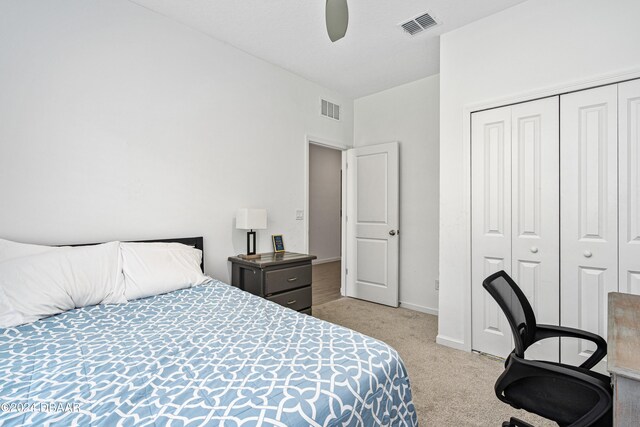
(209, 355)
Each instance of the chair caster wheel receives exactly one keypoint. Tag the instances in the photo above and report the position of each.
(514, 422)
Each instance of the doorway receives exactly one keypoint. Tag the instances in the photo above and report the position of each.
(325, 215)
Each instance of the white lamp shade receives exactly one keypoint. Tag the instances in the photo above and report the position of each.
(251, 219)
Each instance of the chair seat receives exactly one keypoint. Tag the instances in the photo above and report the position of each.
(550, 397)
(606, 380)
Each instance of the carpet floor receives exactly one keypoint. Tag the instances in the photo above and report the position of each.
(450, 387)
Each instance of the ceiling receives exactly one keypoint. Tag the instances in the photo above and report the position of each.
(375, 54)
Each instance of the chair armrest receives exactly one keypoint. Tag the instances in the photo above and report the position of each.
(551, 331)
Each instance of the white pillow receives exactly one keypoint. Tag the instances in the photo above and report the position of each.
(52, 282)
(8, 315)
(10, 250)
(157, 268)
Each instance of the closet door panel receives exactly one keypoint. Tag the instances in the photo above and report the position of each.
(589, 214)
(535, 213)
(629, 185)
(491, 225)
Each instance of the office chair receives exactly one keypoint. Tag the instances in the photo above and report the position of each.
(569, 395)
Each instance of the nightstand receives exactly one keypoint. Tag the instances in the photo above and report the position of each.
(284, 278)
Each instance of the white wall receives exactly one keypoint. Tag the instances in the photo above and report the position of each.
(409, 114)
(530, 47)
(118, 123)
(325, 201)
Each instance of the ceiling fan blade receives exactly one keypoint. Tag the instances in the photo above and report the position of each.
(337, 19)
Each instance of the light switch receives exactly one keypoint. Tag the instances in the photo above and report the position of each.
(299, 214)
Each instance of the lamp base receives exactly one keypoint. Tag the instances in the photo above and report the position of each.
(247, 256)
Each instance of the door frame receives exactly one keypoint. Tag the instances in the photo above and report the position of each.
(323, 142)
(465, 261)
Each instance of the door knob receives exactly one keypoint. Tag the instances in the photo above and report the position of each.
(587, 254)
(534, 250)
(392, 233)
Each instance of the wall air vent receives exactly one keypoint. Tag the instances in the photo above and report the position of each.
(419, 24)
(329, 109)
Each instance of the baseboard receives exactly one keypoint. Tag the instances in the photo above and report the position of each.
(420, 308)
(325, 261)
(450, 342)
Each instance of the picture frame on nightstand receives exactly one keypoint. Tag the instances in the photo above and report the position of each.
(278, 243)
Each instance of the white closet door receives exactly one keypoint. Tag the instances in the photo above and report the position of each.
(491, 225)
(535, 214)
(589, 202)
(629, 182)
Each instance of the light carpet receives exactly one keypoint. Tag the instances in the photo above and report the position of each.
(450, 387)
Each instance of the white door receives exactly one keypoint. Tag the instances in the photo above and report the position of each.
(589, 215)
(629, 184)
(491, 225)
(535, 214)
(515, 211)
(373, 223)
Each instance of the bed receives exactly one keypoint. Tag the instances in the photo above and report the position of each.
(206, 355)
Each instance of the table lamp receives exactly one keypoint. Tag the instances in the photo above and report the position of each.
(251, 219)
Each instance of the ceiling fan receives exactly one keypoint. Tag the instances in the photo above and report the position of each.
(337, 15)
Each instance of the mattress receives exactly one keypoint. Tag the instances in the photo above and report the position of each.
(208, 355)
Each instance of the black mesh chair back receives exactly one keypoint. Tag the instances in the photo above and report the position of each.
(516, 308)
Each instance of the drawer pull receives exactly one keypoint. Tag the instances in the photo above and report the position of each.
(291, 302)
(292, 279)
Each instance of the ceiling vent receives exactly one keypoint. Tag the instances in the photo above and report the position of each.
(419, 24)
(329, 109)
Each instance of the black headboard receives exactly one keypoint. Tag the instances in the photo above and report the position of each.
(196, 242)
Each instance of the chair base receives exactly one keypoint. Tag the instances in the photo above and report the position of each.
(514, 422)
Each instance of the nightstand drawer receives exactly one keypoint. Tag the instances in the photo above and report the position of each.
(287, 278)
(295, 300)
